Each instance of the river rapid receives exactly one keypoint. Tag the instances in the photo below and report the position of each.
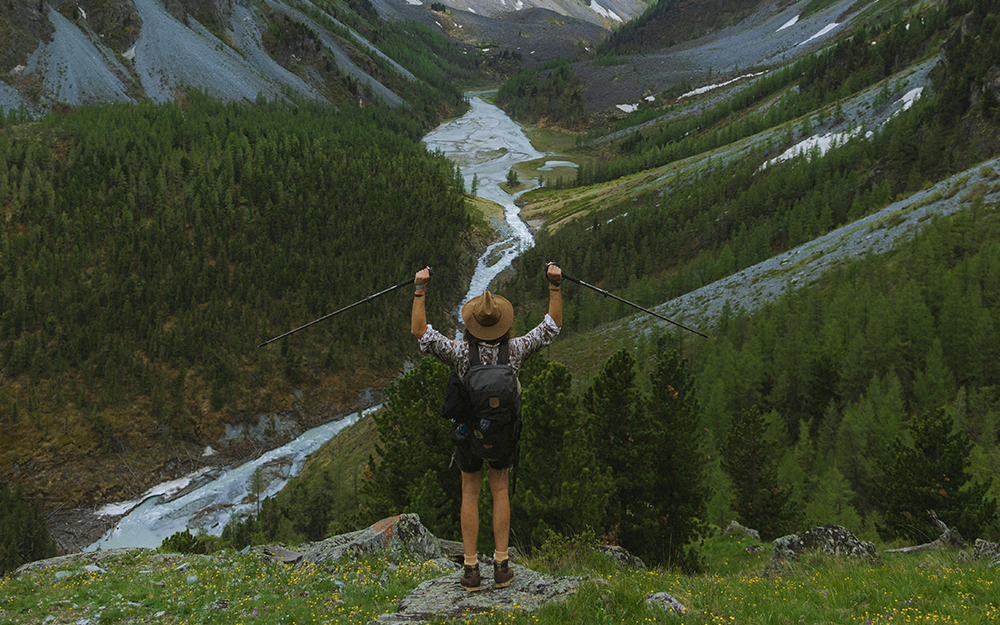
(485, 143)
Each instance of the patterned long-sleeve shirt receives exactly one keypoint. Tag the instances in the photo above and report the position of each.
(455, 353)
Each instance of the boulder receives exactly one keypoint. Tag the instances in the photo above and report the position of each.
(443, 598)
(735, 527)
(620, 555)
(666, 602)
(403, 534)
(833, 540)
(986, 550)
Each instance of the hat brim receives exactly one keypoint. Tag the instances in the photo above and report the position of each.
(492, 332)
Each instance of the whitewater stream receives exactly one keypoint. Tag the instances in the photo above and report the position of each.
(485, 143)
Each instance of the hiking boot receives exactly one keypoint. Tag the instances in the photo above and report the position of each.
(470, 579)
(502, 575)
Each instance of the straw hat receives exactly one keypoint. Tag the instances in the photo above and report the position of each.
(488, 317)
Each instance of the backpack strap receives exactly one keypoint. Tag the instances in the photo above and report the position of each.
(474, 354)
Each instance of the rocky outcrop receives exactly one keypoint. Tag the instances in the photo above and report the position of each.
(985, 550)
(116, 22)
(440, 598)
(734, 528)
(832, 540)
(624, 559)
(23, 26)
(443, 598)
(403, 534)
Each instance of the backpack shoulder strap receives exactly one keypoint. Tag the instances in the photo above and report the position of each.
(474, 360)
(503, 358)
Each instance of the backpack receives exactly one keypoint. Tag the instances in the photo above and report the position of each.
(477, 423)
(494, 405)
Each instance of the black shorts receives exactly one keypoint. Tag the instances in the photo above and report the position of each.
(471, 463)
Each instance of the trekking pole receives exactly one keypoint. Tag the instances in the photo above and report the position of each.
(625, 301)
(337, 312)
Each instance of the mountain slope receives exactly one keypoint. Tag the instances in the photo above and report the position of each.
(274, 49)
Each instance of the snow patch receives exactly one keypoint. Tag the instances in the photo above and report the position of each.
(518, 5)
(910, 97)
(822, 32)
(707, 88)
(611, 15)
(788, 24)
(809, 146)
(414, 3)
(628, 108)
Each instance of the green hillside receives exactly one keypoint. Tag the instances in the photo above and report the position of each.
(168, 241)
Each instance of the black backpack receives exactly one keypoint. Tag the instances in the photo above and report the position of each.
(485, 406)
(494, 405)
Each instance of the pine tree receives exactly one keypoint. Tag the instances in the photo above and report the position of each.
(679, 496)
(748, 459)
(413, 440)
(560, 485)
(932, 475)
(24, 537)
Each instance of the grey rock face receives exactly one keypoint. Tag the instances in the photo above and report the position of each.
(830, 539)
(735, 527)
(444, 598)
(986, 550)
(403, 534)
(624, 559)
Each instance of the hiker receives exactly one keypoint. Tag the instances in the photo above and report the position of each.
(488, 318)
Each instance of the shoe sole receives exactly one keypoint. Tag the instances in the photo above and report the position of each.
(503, 585)
(476, 589)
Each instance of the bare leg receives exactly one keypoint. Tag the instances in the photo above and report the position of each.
(499, 479)
(471, 485)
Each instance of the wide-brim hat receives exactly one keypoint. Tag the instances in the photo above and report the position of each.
(488, 316)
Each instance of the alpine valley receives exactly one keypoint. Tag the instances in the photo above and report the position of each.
(812, 185)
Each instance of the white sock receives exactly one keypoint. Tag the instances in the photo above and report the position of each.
(499, 556)
(471, 560)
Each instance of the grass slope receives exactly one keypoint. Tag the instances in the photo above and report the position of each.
(141, 586)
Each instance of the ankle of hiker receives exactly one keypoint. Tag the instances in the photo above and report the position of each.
(471, 560)
(499, 556)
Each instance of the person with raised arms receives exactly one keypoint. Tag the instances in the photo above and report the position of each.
(486, 361)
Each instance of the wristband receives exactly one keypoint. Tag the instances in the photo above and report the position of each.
(418, 295)
(420, 287)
